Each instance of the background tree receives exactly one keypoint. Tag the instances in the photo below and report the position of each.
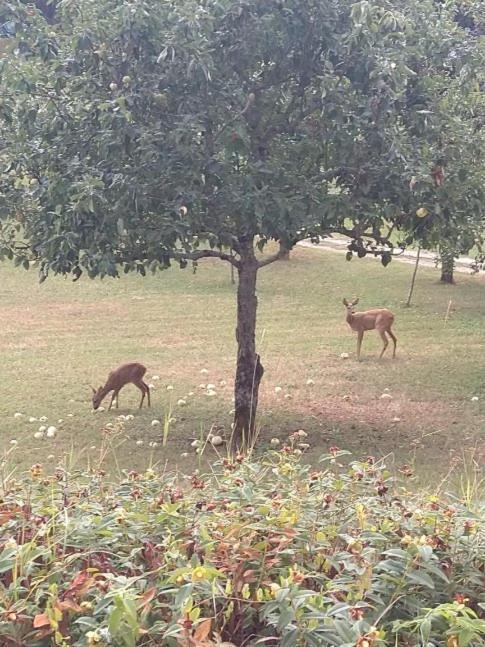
(135, 135)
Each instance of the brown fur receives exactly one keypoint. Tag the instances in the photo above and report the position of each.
(125, 374)
(379, 319)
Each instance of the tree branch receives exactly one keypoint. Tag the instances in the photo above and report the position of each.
(274, 257)
(204, 253)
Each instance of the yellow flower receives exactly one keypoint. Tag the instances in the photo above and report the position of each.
(407, 539)
(199, 573)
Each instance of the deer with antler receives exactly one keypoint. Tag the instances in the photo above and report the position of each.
(380, 319)
(125, 374)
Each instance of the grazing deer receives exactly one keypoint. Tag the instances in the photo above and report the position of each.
(380, 320)
(117, 379)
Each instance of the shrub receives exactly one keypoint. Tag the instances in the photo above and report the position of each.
(262, 551)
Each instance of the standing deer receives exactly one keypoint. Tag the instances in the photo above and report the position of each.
(125, 374)
(379, 319)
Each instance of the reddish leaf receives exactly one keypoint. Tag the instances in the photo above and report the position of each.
(146, 598)
(41, 620)
(203, 630)
(82, 582)
(6, 516)
(69, 605)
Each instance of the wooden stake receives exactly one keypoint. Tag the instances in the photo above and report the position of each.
(448, 310)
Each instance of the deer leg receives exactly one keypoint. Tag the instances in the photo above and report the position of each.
(394, 341)
(147, 391)
(360, 337)
(113, 396)
(141, 386)
(382, 333)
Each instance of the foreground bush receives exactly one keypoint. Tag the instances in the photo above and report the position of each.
(266, 552)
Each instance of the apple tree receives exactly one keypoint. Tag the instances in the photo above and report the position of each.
(139, 134)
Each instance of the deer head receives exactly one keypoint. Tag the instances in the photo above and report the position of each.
(350, 306)
(98, 396)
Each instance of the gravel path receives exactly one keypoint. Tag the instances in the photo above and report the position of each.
(427, 259)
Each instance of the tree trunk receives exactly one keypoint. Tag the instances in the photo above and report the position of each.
(284, 252)
(249, 370)
(447, 264)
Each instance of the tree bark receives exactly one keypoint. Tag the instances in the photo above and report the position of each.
(284, 252)
(447, 264)
(249, 370)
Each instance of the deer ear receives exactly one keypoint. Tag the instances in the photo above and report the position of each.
(345, 302)
(355, 301)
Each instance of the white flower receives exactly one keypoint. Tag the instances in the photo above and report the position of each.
(181, 403)
(172, 420)
(474, 398)
(217, 441)
(344, 356)
(155, 423)
(51, 457)
(278, 389)
(183, 455)
(198, 450)
(211, 387)
(70, 415)
(169, 387)
(38, 435)
(222, 383)
(155, 378)
(151, 386)
(211, 393)
(303, 446)
(51, 432)
(43, 419)
(42, 428)
(288, 396)
(18, 415)
(386, 396)
(153, 444)
(302, 433)
(32, 419)
(204, 371)
(130, 416)
(195, 443)
(297, 452)
(274, 442)
(310, 382)
(190, 394)
(232, 412)
(396, 419)
(60, 421)
(121, 417)
(93, 448)
(202, 386)
(139, 443)
(14, 442)
(100, 408)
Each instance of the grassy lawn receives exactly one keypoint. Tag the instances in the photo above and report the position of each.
(58, 338)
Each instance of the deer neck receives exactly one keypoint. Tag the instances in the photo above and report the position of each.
(350, 318)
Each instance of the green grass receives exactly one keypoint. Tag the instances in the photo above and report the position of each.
(59, 337)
